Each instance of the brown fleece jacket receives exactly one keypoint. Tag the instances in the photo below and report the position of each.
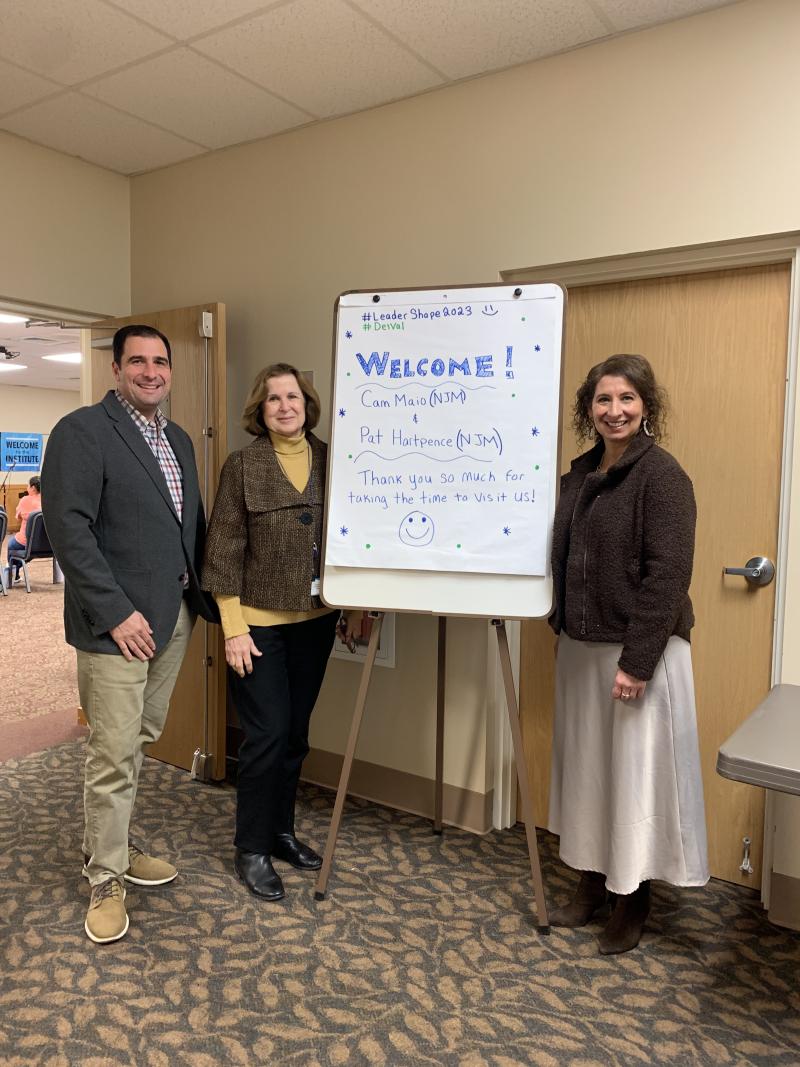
(263, 532)
(623, 544)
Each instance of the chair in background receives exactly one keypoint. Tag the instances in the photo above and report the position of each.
(37, 546)
(3, 532)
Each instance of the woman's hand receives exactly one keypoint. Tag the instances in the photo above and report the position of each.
(626, 687)
(239, 652)
(348, 626)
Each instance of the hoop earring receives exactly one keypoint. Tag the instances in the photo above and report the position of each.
(646, 428)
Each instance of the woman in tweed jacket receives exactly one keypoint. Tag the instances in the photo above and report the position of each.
(626, 794)
(262, 565)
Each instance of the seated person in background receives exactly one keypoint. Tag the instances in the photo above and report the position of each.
(16, 542)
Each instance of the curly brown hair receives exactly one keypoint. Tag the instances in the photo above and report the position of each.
(252, 419)
(640, 374)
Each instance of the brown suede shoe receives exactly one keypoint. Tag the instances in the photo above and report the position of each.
(148, 870)
(590, 896)
(142, 869)
(106, 919)
(624, 929)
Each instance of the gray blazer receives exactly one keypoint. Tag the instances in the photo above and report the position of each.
(114, 529)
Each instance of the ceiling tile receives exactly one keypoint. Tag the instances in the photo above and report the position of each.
(71, 40)
(86, 128)
(323, 56)
(187, 18)
(18, 87)
(33, 343)
(462, 39)
(631, 14)
(196, 98)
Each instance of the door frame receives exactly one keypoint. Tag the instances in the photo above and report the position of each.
(692, 259)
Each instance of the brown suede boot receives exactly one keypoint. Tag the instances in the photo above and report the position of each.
(589, 897)
(624, 928)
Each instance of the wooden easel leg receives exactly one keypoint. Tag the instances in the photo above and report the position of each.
(441, 666)
(344, 777)
(522, 775)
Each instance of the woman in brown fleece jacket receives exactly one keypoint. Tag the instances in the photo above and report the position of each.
(626, 793)
(262, 565)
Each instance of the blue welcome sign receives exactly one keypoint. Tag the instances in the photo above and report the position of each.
(20, 451)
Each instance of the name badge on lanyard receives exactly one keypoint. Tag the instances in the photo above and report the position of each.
(315, 576)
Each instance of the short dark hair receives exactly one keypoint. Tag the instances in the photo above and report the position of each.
(35, 483)
(137, 330)
(252, 419)
(640, 374)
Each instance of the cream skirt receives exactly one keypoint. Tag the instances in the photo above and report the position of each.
(626, 794)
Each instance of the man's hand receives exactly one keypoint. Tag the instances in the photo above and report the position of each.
(239, 652)
(133, 637)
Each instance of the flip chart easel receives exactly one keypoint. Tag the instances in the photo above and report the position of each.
(442, 477)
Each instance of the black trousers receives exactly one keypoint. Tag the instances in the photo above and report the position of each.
(274, 705)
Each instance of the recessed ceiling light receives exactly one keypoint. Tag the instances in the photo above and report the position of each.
(6, 317)
(12, 366)
(65, 357)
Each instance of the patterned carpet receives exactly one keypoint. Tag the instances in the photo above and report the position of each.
(39, 675)
(422, 953)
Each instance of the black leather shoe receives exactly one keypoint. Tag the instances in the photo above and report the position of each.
(256, 871)
(289, 849)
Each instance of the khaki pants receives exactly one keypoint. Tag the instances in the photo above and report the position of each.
(126, 706)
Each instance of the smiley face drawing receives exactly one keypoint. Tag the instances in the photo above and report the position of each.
(416, 529)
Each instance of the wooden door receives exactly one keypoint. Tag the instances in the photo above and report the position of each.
(718, 343)
(196, 402)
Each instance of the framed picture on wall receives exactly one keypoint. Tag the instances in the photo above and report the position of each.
(385, 654)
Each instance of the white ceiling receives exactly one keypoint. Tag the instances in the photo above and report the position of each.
(133, 85)
(26, 345)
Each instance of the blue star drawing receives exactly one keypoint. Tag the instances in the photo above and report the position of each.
(343, 531)
(342, 413)
(507, 530)
(537, 348)
(348, 335)
(535, 431)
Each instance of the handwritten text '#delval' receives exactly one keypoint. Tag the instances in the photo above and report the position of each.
(479, 366)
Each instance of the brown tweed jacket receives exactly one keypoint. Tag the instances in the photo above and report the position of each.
(264, 536)
(623, 545)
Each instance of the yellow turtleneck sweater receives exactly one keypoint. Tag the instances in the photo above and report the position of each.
(294, 456)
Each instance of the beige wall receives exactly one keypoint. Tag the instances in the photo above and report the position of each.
(66, 231)
(786, 808)
(399, 728)
(28, 410)
(681, 135)
(34, 410)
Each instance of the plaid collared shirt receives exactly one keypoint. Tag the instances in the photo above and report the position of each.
(153, 433)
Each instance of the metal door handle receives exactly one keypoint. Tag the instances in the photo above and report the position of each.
(746, 866)
(758, 571)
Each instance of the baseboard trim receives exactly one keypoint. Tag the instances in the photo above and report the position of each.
(401, 790)
(784, 901)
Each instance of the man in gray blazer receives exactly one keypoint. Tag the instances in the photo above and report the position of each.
(123, 513)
